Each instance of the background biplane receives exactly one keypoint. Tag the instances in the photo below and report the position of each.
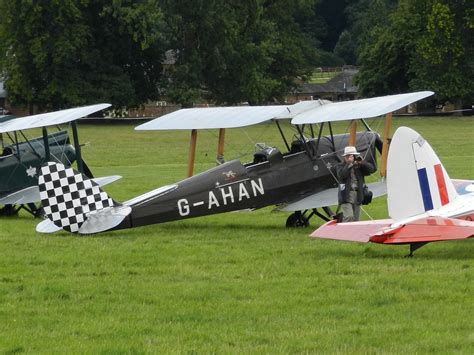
(298, 178)
(22, 158)
(424, 203)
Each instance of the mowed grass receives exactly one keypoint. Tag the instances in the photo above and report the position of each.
(231, 283)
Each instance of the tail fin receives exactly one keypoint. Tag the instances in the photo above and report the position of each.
(75, 203)
(416, 180)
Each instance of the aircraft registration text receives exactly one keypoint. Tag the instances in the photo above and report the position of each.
(224, 196)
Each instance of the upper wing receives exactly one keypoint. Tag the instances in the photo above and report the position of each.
(301, 113)
(329, 198)
(50, 118)
(226, 117)
(357, 109)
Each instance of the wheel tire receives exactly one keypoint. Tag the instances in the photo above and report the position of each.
(295, 220)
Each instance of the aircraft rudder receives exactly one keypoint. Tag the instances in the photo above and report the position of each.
(69, 199)
(417, 182)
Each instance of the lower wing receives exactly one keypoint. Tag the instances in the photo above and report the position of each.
(463, 187)
(329, 198)
(351, 231)
(429, 229)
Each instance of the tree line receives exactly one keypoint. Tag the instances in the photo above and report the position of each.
(58, 54)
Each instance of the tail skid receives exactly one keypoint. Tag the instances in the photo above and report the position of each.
(73, 202)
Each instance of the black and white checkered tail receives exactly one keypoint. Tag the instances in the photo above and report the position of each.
(70, 198)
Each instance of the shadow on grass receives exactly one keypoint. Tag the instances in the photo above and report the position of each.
(453, 250)
(177, 227)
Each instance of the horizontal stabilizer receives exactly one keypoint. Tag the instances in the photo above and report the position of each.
(32, 195)
(105, 180)
(429, 229)
(351, 231)
(104, 219)
(47, 226)
(29, 195)
(329, 198)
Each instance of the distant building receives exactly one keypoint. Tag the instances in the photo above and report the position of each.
(340, 88)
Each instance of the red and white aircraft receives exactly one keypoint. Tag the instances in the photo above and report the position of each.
(424, 203)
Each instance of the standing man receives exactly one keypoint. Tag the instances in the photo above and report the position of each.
(350, 174)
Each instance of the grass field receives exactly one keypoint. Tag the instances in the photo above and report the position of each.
(231, 283)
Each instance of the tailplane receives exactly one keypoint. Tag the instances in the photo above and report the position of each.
(416, 180)
(75, 203)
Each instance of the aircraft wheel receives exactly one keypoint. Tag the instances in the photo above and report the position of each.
(296, 220)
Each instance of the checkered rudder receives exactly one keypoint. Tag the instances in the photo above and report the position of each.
(68, 197)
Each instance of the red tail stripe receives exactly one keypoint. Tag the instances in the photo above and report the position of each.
(443, 191)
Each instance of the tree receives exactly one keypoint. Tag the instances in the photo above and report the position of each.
(443, 60)
(345, 48)
(426, 45)
(63, 53)
(363, 16)
(234, 51)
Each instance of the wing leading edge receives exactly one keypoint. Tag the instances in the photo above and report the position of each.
(50, 118)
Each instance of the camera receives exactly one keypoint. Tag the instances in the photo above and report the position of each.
(358, 158)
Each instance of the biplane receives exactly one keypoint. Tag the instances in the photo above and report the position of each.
(424, 204)
(298, 180)
(21, 158)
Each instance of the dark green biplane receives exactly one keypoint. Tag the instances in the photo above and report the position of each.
(21, 158)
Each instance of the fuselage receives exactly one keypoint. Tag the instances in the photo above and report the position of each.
(272, 178)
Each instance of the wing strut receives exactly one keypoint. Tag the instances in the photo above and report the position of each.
(192, 152)
(220, 146)
(17, 146)
(386, 134)
(282, 135)
(46, 144)
(77, 147)
(352, 138)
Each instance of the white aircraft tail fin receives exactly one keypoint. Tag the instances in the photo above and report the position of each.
(416, 180)
(76, 203)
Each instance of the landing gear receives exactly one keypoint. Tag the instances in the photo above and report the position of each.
(301, 219)
(297, 219)
(12, 210)
(415, 246)
(9, 210)
(33, 209)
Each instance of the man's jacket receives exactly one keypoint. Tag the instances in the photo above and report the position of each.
(343, 174)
